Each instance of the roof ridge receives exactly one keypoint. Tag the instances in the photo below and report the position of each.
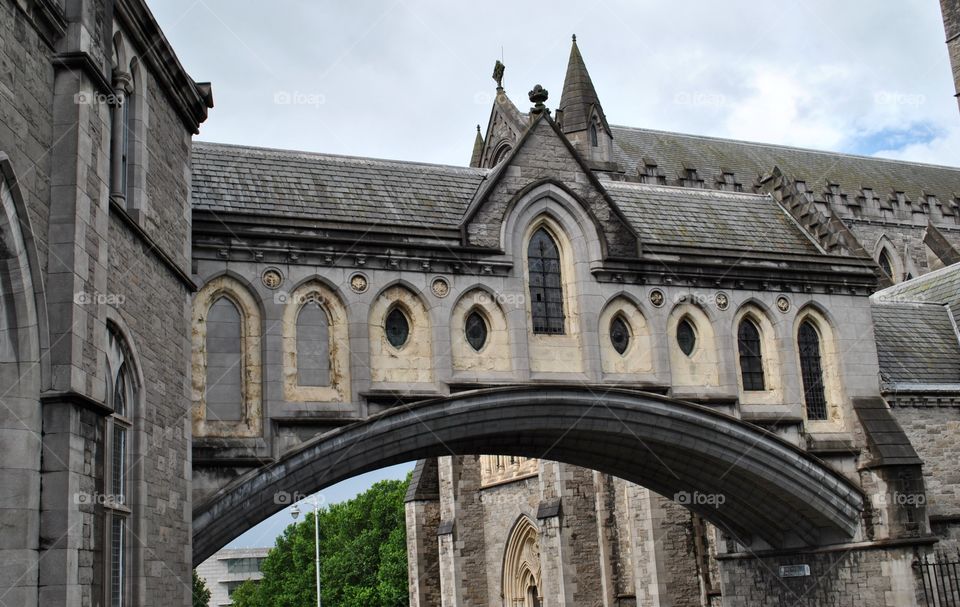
(783, 147)
(343, 157)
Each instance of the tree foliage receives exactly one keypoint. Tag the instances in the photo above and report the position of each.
(363, 556)
(201, 594)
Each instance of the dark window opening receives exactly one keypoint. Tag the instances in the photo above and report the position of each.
(476, 330)
(546, 288)
(619, 334)
(686, 337)
(751, 361)
(593, 136)
(811, 371)
(397, 327)
(885, 265)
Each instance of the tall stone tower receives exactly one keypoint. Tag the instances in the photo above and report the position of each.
(581, 115)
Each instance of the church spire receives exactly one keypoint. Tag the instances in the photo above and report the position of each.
(477, 156)
(579, 98)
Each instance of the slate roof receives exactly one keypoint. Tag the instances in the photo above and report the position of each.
(747, 161)
(916, 344)
(938, 287)
(324, 187)
(709, 218)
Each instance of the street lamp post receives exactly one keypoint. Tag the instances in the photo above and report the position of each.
(295, 512)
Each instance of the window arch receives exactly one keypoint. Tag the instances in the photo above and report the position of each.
(521, 566)
(226, 360)
(620, 334)
(122, 399)
(224, 385)
(885, 264)
(396, 326)
(501, 153)
(686, 336)
(313, 345)
(751, 357)
(316, 345)
(546, 283)
(594, 138)
(811, 370)
(625, 342)
(479, 336)
(475, 330)
(393, 309)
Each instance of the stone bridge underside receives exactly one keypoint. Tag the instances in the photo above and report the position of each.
(771, 490)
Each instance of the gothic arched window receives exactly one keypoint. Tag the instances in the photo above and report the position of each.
(686, 336)
(224, 386)
(594, 141)
(546, 287)
(751, 360)
(397, 327)
(121, 398)
(313, 346)
(476, 330)
(619, 334)
(811, 371)
(885, 264)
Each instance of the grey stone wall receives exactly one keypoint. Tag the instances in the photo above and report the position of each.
(933, 432)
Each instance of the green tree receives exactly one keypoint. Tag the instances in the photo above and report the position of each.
(363, 556)
(201, 595)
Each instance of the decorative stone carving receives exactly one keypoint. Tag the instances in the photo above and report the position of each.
(358, 283)
(271, 278)
(657, 298)
(783, 304)
(440, 287)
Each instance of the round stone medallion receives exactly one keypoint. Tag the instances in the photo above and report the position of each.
(358, 283)
(440, 287)
(783, 304)
(723, 302)
(271, 278)
(657, 298)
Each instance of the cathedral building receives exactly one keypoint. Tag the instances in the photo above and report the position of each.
(634, 367)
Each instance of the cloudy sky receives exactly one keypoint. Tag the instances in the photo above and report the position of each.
(410, 79)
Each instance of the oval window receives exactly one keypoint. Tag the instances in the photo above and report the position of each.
(397, 328)
(686, 337)
(476, 330)
(619, 334)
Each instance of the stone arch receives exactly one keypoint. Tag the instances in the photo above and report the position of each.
(521, 568)
(773, 392)
(251, 417)
(639, 356)
(555, 200)
(701, 369)
(501, 152)
(773, 492)
(23, 334)
(496, 355)
(338, 348)
(837, 415)
(413, 362)
(884, 247)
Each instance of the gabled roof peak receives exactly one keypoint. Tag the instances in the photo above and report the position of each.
(579, 96)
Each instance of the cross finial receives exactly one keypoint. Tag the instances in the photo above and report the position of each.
(498, 68)
(574, 37)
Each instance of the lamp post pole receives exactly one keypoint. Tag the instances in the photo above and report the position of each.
(295, 512)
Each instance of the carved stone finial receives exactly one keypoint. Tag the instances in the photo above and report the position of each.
(574, 37)
(498, 69)
(478, 128)
(537, 96)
